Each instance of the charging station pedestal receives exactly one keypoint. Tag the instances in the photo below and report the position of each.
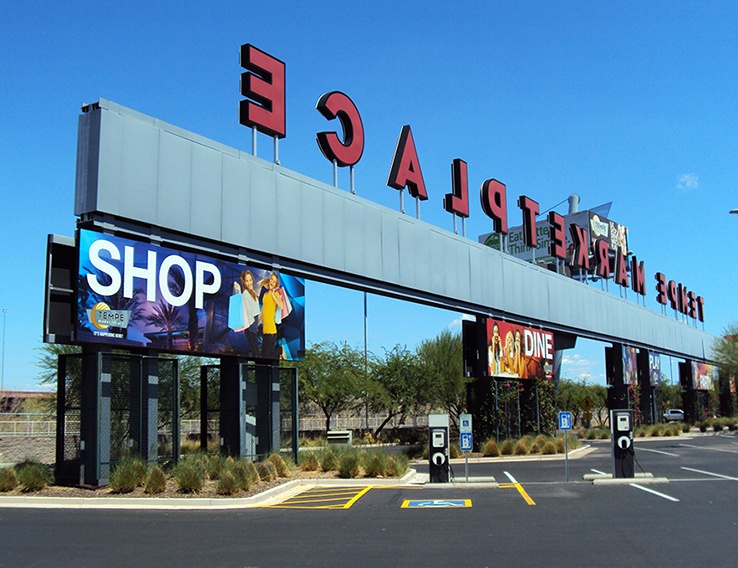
(438, 454)
(623, 454)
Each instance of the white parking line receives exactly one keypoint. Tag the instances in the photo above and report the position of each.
(713, 474)
(664, 495)
(641, 449)
(510, 477)
(711, 449)
(598, 472)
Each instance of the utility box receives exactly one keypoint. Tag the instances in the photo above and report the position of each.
(438, 453)
(623, 454)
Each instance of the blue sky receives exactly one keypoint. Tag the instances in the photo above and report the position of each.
(630, 102)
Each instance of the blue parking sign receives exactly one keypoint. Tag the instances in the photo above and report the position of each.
(565, 420)
(466, 442)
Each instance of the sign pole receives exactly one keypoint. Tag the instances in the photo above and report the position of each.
(566, 422)
(466, 442)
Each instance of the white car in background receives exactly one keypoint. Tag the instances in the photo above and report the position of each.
(674, 414)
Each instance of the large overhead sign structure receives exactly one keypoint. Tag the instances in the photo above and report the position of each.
(156, 181)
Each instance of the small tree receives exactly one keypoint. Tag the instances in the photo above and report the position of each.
(330, 377)
(444, 359)
(402, 383)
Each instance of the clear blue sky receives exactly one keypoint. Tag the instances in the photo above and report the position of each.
(630, 102)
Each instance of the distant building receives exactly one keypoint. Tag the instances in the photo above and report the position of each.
(12, 401)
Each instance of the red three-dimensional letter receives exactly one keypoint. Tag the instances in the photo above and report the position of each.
(493, 196)
(530, 210)
(347, 153)
(458, 200)
(580, 257)
(265, 84)
(405, 170)
(557, 246)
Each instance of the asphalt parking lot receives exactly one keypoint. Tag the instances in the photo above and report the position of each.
(689, 520)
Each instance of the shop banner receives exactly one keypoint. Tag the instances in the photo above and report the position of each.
(135, 294)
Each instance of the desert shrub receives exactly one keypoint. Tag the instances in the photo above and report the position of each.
(733, 425)
(8, 479)
(397, 465)
(521, 448)
(309, 461)
(253, 473)
(156, 481)
(189, 476)
(267, 471)
(686, 427)
(264, 473)
(375, 464)
(668, 431)
(328, 460)
(538, 443)
(718, 425)
(227, 484)
(507, 447)
(559, 445)
(348, 464)
(549, 448)
(189, 446)
(591, 434)
(604, 434)
(491, 449)
(127, 475)
(280, 465)
(215, 465)
(33, 476)
(702, 426)
(241, 474)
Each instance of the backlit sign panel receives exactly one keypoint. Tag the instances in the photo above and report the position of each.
(517, 351)
(136, 294)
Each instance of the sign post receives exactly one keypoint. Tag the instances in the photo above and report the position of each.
(466, 441)
(565, 424)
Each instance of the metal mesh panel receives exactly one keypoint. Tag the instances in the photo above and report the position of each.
(168, 409)
(70, 388)
(125, 408)
(288, 416)
(211, 418)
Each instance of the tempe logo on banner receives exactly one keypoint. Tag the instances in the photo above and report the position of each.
(519, 352)
(136, 294)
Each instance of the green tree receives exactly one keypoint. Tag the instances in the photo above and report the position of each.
(725, 352)
(330, 376)
(570, 395)
(402, 383)
(444, 359)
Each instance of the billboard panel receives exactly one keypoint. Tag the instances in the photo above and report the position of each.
(703, 376)
(519, 352)
(630, 365)
(136, 294)
(654, 368)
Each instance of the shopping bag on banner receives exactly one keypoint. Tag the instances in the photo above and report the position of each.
(286, 306)
(236, 313)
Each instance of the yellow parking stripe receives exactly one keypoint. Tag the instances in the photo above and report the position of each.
(520, 489)
(323, 498)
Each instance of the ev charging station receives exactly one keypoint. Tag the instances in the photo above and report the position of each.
(438, 453)
(623, 454)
